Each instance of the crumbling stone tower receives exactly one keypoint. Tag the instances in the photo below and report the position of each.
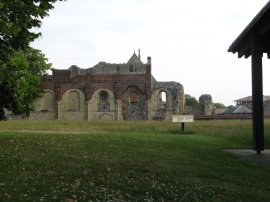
(206, 104)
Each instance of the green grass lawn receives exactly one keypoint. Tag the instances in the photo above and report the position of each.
(129, 161)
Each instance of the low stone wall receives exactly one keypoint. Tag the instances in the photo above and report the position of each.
(73, 116)
(106, 115)
(42, 116)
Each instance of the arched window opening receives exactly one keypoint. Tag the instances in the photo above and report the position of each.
(103, 101)
(132, 68)
(133, 98)
(74, 101)
(48, 102)
(163, 99)
(134, 104)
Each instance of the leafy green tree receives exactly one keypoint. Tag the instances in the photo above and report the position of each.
(21, 66)
(219, 106)
(18, 17)
(191, 101)
(22, 74)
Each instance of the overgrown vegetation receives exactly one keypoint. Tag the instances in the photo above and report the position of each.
(219, 105)
(191, 101)
(129, 161)
(21, 66)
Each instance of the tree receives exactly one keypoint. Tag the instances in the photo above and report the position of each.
(21, 66)
(191, 101)
(21, 75)
(219, 106)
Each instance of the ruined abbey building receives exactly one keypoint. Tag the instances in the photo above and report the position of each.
(108, 91)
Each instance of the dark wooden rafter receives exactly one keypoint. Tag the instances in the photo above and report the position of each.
(265, 46)
(244, 51)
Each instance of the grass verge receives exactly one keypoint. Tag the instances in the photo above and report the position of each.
(129, 161)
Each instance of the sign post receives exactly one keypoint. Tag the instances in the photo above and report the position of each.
(183, 119)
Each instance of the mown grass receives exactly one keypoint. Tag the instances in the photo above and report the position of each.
(129, 161)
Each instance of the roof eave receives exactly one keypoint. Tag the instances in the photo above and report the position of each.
(246, 33)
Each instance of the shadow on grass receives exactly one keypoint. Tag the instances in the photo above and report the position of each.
(180, 132)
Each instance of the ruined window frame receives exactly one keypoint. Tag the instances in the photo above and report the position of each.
(103, 105)
(71, 106)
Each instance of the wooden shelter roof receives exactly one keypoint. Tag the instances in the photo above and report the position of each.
(249, 99)
(240, 109)
(260, 26)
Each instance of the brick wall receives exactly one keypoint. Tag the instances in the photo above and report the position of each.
(120, 82)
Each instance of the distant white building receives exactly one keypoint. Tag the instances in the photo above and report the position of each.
(247, 102)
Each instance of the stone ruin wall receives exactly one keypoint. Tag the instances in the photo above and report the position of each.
(104, 105)
(206, 104)
(102, 109)
(172, 104)
(45, 107)
(108, 92)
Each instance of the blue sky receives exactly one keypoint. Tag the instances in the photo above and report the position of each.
(187, 40)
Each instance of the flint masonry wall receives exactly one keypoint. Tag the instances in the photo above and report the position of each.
(206, 104)
(108, 92)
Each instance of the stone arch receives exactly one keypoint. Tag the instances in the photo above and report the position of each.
(159, 102)
(105, 116)
(163, 99)
(103, 100)
(102, 104)
(162, 102)
(134, 106)
(44, 107)
(124, 89)
(73, 105)
(46, 103)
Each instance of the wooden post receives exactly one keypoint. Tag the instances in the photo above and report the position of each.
(257, 96)
(183, 119)
(183, 126)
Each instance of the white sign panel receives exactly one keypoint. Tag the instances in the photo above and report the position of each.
(183, 118)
